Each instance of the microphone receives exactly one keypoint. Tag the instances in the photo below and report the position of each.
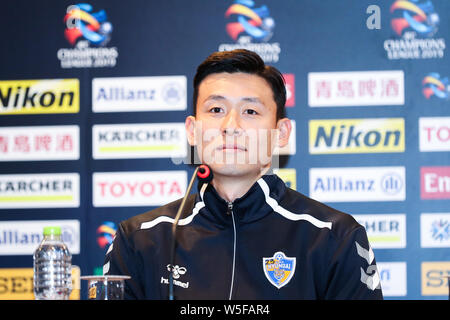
(204, 175)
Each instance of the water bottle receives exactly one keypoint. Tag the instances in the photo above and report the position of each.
(52, 267)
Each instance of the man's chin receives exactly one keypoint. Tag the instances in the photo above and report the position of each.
(236, 170)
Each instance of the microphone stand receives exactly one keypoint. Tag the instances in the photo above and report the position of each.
(174, 231)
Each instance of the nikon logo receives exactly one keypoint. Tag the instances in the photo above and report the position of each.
(39, 96)
(356, 136)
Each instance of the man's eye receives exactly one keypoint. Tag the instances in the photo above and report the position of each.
(251, 112)
(215, 110)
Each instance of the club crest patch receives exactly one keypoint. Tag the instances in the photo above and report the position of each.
(279, 269)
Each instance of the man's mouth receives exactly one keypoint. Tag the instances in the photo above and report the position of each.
(231, 147)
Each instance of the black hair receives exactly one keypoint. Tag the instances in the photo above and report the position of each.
(241, 60)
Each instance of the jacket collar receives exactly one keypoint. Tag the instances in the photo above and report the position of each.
(250, 207)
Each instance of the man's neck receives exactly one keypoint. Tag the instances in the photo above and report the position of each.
(231, 188)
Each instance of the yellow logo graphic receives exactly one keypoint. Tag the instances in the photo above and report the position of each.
(39, 96)
(333, 136)
(435, 278)
(17, 284)
(289, 176)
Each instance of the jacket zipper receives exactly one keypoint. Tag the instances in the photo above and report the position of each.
(230, 212)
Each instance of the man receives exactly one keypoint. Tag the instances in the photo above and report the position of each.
(245, 235)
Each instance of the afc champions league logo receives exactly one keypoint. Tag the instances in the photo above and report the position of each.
(106, 233)
(434, 85)
(251, 27)
(415, 24)
(254, 22)
(88, 32)
(415, 15)
(82, 23)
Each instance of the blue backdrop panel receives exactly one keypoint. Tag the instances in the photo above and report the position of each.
(108, 39)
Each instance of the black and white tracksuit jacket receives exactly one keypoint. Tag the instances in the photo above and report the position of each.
(272, 243)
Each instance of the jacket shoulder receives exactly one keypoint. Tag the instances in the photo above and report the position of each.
(341, 222)
(168, 210)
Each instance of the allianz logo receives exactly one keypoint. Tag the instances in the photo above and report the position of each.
(13, 236)
(390, 183)
(121, 93)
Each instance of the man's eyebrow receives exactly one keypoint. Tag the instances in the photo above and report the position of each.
(218, 97)
(215, 97)
(251, 99)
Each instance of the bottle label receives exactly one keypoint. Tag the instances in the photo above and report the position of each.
(92, 292)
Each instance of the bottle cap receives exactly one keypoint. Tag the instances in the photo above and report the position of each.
(56, 231)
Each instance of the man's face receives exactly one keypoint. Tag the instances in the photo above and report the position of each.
(235, 129)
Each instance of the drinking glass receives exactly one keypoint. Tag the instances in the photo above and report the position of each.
(108, 287)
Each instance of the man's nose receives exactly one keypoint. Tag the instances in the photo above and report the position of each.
(231, 125)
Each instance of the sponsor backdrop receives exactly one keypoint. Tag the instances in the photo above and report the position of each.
(93, 97)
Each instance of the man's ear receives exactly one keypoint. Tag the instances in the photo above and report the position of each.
(284, 127)
(190, 130)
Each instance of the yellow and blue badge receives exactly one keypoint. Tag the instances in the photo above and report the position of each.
(279, 269)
